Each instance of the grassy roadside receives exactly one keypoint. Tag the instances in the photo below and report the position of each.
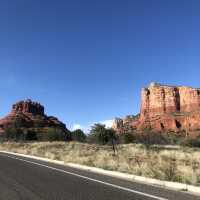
(172, 164)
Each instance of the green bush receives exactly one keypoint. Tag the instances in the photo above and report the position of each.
(38, 123)
(10, 133)
(31, 135)
(149, 137)
(78, 135)
(15, 134)
(127, 138)
(40, 134)
(192, 142)
(52, 134)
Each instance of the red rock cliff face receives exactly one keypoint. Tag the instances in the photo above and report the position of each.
(168, 108)
(28, 107)
(158, 100)
(31, 115)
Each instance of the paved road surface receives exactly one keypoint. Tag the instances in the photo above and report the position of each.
(28, 179)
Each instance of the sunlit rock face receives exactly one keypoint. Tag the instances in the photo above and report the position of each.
(161, 99)
(168, 108)
(29, 114)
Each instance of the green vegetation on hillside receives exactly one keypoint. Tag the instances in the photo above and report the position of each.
(99, 134)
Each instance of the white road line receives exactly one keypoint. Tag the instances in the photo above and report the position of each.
(91, 179)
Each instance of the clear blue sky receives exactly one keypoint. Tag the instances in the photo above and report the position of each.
(86, 60)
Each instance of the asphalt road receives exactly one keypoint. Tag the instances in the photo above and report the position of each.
(29, 179)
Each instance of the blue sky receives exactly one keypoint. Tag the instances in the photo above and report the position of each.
(86, 60)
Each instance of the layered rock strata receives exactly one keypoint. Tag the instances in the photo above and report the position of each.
(29, 114)
(167, 108)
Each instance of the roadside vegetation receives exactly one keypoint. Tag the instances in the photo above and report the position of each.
(166, 156)
(180, 164)
(99, 134)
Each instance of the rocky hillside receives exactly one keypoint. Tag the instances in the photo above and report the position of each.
(166, 109)
(29, 115)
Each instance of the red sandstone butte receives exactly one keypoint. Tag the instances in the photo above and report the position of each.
(166, 108)
(31, 114)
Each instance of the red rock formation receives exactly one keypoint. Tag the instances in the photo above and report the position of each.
(159, 99)
(28, 107)
(167, 108)
(31, 115)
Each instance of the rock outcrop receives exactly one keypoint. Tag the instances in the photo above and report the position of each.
(29, 115)
(167, 108)
(28, 106)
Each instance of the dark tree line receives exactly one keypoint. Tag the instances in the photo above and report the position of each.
(98, 134)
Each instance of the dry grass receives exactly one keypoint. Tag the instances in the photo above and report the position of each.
(173, 164)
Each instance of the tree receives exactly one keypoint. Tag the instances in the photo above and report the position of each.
(78, 135)
(15, 134)
(98, 134)
(15, 130)
(102, 135)
(111, 137)
(18, 122)
(11, 133)
(38, 123)
(52, 134)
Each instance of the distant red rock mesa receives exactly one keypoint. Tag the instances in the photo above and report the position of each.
(165, 109)
(31, 115)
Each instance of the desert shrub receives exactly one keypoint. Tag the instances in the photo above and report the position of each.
(172, 138)
(15, 131)
(10, 133)
(78, 135)
(18, 123)
(149, 138)
(15, 134)
(192, 142)
(39, 134)
(126, 138)
(38, 123)
(31, 135)
(52, 134)
(170, 170)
